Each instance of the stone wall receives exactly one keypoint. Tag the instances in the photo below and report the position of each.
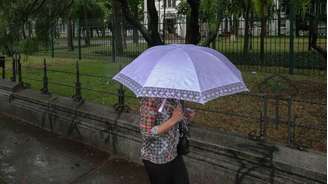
(215, 157)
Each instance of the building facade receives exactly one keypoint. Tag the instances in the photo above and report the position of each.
(170, 22)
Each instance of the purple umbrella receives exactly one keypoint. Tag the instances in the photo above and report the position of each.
(182, 71)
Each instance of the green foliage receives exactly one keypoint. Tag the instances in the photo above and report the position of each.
(87, 9)
(29, 46)
(183, 8)
(301, 7)
(262, 7)
(210, 9)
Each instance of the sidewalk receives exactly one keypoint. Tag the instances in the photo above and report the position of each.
(29, 155)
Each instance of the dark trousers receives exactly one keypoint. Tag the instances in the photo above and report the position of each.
(173, 172)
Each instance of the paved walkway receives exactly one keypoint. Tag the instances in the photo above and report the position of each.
(29, 155)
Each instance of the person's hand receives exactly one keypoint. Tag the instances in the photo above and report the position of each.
(190, 113)
(177, 114)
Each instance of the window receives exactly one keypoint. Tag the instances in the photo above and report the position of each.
(170, 3)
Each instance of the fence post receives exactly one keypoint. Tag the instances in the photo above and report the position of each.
(77, 95)
(290, 122)
(113, 41)
(44, 89)
(14, 67)
(52, 45)
(120, 106)
(277, 114)
(291, 63)
(79, 38)
(20, 78)
(3, 65)
(264, 117)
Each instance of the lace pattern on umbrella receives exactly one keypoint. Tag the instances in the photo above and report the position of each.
(193, 96)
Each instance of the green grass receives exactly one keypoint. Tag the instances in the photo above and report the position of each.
(2, 181)
(276, 52)
(223, 44)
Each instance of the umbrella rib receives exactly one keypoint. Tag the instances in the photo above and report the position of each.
(192, 63)
(224, 57)
(143, 86)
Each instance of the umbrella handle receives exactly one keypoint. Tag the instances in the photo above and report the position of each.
(162, 105)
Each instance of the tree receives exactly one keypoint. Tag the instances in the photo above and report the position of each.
(244, 8)
(14, 16)
(117, 30)
(137, 10)
(212, 12)
(47, 17)
(90, 14)
(19, 16)
(262, 9)
(150, 34)
(209, 11)
(307, 15)
(192, 32)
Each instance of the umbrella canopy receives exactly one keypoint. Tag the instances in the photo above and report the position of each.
(182, 71)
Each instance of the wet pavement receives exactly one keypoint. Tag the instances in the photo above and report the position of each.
(29, 155)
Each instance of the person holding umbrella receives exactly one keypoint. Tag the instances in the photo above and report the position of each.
(160, 134)
(163, 76)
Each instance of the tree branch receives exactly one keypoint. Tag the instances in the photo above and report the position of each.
(211, 35)
(35, 6)
(135, 22)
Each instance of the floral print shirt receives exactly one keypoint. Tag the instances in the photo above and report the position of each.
(158, 148)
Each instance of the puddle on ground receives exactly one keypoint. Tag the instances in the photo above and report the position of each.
(4, 152)
(8, 170)
(40, 161)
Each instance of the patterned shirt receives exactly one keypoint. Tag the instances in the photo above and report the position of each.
(158, 148)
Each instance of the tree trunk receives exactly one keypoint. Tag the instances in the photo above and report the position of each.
(230, 25)
(30, 30)
(214, 43)
(135, 35)
(279, 23)
(226, 25)
(103, 32)
(314, 26)
(86, 28)
(193, 34)
(153, 23)
(263, 33)
(235, 26)
(251, 23)
(87, 36)
(23, 32)
(297, 27)
(69, 33)
(117, 29)
(124, 35)
(151, 35)
(73, 30)
(246, 32)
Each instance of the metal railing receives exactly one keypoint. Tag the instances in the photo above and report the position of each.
(259, 116)
(284, 51)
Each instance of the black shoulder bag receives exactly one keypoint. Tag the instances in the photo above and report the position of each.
(183, 145)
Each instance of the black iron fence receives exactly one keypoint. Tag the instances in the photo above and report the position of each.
(283, 52)
(262, 116)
